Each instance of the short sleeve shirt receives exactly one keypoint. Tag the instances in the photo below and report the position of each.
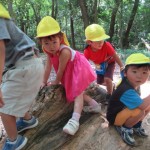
(125, 96)
(16, 41)
(101, 55)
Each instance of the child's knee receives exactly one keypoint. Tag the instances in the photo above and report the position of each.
(138, 112)
(107, 80)
(148, 109)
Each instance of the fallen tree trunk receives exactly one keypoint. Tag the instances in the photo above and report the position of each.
(53, 113)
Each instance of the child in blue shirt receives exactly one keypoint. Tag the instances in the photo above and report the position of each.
(126, 109)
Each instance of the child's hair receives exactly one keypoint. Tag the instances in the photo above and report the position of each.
(138, 60)
(137, 65)
(59, 34)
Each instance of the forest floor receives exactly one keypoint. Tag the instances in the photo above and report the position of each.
(97, 140)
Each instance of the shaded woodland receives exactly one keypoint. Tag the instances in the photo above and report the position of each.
(126, 21)
(128, 24)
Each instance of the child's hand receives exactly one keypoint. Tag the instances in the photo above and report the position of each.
(1, 99)
(42, 85)
(55, 82)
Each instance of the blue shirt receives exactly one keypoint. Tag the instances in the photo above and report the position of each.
(131, 99)
(125, 96)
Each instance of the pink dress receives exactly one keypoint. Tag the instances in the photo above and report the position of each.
(78, 74)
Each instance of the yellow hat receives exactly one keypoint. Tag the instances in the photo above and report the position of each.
(95, 32)
(3, 12)
(137, 58)
(49, 26)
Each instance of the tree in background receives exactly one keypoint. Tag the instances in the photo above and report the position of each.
(125, 21)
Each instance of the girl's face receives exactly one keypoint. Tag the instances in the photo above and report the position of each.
(137, 75)
(52, 44)
(97, 45)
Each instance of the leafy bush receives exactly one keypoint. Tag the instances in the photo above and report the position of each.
(125, 53)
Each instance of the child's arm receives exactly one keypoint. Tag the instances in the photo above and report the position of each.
(119, 62)
(48, 68)
(64, 57)
(146, 104)
(2, 61)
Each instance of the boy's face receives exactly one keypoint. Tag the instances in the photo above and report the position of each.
(96, 45)
(137, 75)
(52, 44)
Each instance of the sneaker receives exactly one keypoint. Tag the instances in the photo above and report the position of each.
(126, 134)
(91, 109)
(24, 124)
(140, 132)
(71, 127)
(16, 145)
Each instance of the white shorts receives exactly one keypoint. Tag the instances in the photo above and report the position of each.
(20, 86)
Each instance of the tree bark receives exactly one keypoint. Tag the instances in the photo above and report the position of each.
(94, 133)
(113, 19)
(125, 41)
(53, 113)
(72, 33)
(85, 16)
(94, 18)
(54, 8)
(72, 26)
(10, 9)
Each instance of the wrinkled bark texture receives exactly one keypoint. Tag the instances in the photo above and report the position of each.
(53, 113)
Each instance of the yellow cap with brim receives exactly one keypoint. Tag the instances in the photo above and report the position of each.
(3, 12)
(49, 26)
(95, 32)
(137, 58)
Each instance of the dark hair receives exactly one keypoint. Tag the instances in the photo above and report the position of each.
(137, 65)
(60, 34)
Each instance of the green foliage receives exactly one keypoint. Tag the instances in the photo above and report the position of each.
(28, 13)
(125, 53)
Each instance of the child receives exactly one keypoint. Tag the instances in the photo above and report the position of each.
(126, 109)
(21, 81)
(102, 54)
(72, 69)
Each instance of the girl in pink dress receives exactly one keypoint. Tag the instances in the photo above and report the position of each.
(72, 69)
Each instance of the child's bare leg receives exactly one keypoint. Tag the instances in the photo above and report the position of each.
(134, 120)
(9, 123)
(146, 112)
(27, 116)
(78, 107)
(89, 100)
(109, 85)
(93, 107)
(78, 104)
(73, 124)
